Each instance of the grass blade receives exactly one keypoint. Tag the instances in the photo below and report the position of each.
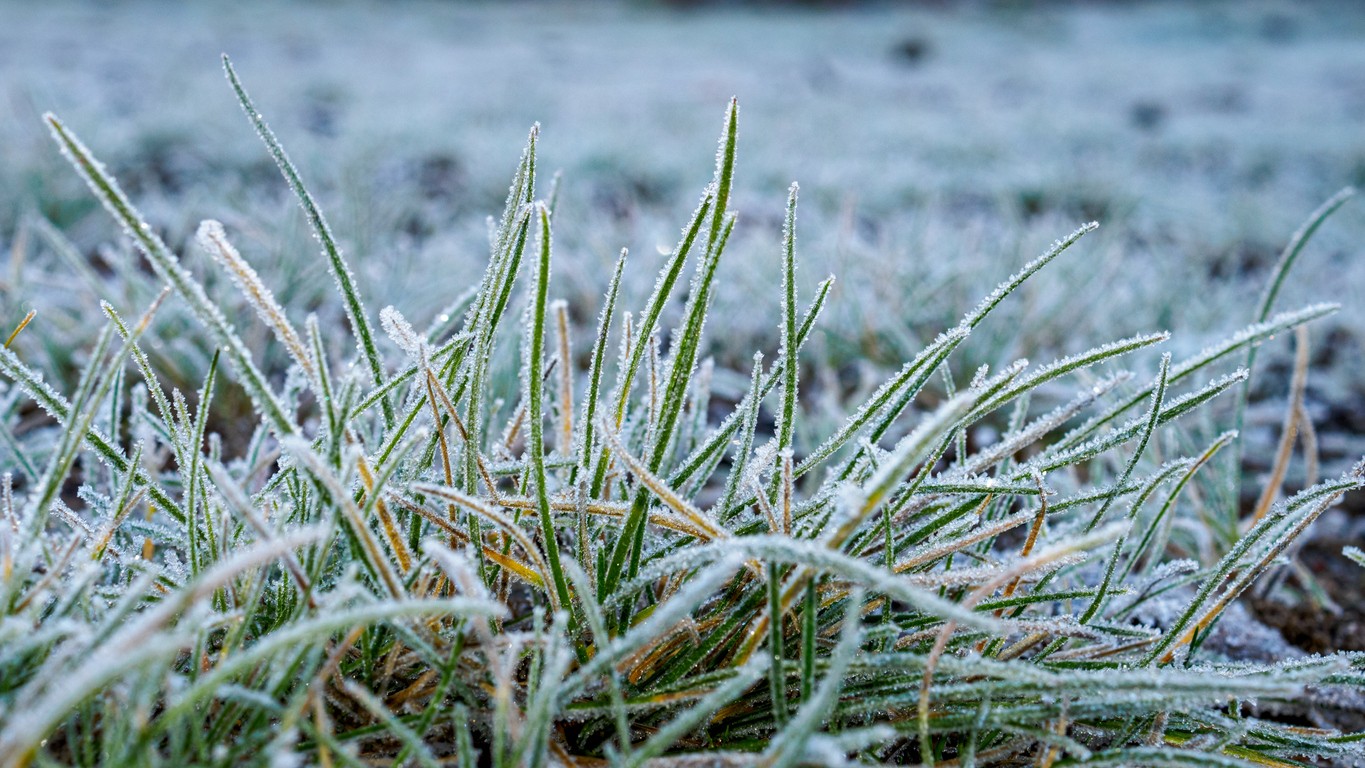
(336, 262)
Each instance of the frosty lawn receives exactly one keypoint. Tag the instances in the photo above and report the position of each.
(470, 542)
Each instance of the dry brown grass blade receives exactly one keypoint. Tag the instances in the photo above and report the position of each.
(1288, 431)
(560, 309)
(102, 543)
(609, 509)
(957, 544)
(438, 392)
(1033, 530)
(711, 529)
(32, 313)
(491, 514)
(386, 519)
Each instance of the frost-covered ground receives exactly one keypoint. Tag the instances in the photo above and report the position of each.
(937, 149)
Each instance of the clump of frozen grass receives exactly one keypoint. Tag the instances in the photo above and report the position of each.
(416, 559)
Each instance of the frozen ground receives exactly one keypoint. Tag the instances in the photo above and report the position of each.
(937, 149)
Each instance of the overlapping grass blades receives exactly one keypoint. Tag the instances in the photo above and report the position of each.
(948, 577)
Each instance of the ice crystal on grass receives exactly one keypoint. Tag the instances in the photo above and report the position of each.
(1355, 555)
(402, 565)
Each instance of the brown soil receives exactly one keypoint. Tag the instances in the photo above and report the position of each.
(1313, 627)
(1316, 629)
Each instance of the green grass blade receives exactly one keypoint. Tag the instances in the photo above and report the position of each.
(688, 721)
(786, 420)
(599, 354)
(683, 360)
(749, 407)
(777, 673)
(57, 406)
(1291, 255)
(788, 747)
(1247, 337)
(720, 436)
(535, 397)
(336, 262)
(626, 546)
(1153, 414)
(725, 173)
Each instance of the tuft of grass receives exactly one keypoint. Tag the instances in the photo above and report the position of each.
(404, 565)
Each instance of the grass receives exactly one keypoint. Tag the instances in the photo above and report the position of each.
(460, 545)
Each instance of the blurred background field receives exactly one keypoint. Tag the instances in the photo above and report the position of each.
(939, 145)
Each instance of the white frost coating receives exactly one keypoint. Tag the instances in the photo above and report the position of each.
(663, 286)
(759, 465)
(978, 379)
(1007, 287)
(787, 748)
(693, 656)
(400, 330)
(913, 446)
(1054, 458)
(1279, 322)
(1031, 433)
(322, 232)
(138, 641)
(281, 751)
(213, 240)
(1355, 555)
(683, 602)
(1074, 362)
